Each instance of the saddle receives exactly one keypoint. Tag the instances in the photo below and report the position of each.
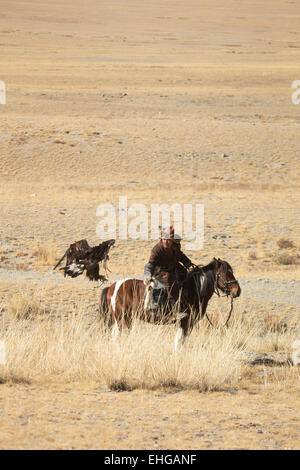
(162, 303)
(159, 297)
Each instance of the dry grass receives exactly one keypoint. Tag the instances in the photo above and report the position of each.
(252, 255)
(143, 357)
(45, 254)
(22, 267)
(78, 349)
(284, 243)
(287, 259)
(24, 306)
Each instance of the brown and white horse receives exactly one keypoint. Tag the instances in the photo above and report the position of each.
(129, 298)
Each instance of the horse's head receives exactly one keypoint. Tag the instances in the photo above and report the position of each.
(225, 280)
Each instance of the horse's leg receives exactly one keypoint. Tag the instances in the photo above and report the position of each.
(181, 333)
(179, 339)
(117, 302)
(115, 330)
(118, 323)
(204, 306)
(122, 319)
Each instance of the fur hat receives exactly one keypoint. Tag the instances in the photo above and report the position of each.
(168, 233)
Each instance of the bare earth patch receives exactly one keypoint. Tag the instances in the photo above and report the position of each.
(78, 416)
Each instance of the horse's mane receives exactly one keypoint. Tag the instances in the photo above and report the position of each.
(225, 265)
(210, 267)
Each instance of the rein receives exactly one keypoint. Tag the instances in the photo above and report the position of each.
(229, 314)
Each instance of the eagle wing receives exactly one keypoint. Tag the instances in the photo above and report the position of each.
(81, 256)
(97, 255)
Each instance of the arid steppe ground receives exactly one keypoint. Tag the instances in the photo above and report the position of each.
(158, 102)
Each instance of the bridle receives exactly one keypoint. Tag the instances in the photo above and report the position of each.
(226, 291)
(217, 286)
(224, 287)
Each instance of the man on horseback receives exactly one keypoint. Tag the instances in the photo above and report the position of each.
(168, 265)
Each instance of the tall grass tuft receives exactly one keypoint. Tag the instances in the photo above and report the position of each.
(80, 349)
(45, 254)
(22, 306)
(77, 349)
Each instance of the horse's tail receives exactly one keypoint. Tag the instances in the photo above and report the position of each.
(103, 307)
(104, 311)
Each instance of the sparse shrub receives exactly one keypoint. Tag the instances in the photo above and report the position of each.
(252, 255)
(284, 243)
(275, 324)
(22, 306)
(287, 259)
(120, 386)
(46, 255)
(22, 267)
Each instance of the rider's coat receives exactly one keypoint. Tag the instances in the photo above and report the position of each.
(165, 262)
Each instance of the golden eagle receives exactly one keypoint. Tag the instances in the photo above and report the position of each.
(81, 256)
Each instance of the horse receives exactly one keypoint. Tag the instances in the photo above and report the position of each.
(129, 298)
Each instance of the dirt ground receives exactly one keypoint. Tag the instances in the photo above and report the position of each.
(158, 102)
(56, 416)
